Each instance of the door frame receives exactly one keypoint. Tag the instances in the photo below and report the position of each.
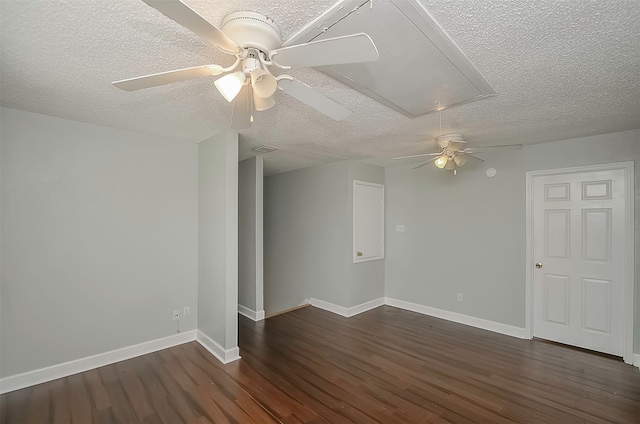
(629, 280)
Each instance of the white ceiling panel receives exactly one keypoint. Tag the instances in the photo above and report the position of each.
(420, 70)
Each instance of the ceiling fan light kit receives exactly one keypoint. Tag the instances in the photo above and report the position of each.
(262, 104)
(229, 85)
(460, 160)
(264, 84)
(441, 162)
(256, 42)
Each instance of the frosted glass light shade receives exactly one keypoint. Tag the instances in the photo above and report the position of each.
(263, 104)
(229, 85)
(441, 162)
(451, 165)
(264, 84)
(460, 160)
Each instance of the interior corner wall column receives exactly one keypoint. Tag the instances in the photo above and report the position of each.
(366, 279)
(250, 236)
(218, 245)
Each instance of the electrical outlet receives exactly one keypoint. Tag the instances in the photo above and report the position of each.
(176, 315)
(400, 228)
(459, 297)
(186, 311)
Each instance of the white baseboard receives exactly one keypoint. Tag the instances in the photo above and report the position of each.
(364, 307)
(250, 313)
(304, 303)
(636, 360)
(347, 312)
(327, 306)
(223, 355)
(496, 327)
(42, 375)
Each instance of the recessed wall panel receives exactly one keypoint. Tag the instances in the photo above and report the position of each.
(556, 299)
(557, 225)
(596, 235)
(596, 305)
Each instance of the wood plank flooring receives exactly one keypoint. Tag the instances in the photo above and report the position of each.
(310, 366)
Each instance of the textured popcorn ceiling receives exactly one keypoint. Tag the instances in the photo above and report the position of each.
(562, 69)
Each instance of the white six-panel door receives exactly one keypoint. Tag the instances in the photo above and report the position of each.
(579, 249)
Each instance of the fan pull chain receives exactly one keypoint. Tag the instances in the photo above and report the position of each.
(251, 100)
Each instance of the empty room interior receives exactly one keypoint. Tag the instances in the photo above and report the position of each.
(310, 211)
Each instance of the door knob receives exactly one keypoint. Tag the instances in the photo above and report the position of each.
(539, 265)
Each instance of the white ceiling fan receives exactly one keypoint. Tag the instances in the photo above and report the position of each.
(453, 153)
(256, 42)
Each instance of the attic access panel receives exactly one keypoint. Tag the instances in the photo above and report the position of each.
(420, 68)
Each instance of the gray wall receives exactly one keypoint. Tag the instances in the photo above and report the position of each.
(366, 279)
(466, 233)
(250, 233)
(306, 239)
(218, 239)
(99, 239)
(309, 238)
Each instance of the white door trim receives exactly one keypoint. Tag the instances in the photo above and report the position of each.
(629, 279)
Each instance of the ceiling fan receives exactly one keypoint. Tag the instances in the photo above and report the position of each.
(453, 153)
(256, 42)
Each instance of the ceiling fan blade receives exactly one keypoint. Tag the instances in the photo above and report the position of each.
(492, 148)
(471, 156)
(241, 112)
(308, 95)
(424, 163)
(420, 155)
(190, 19)
(333, 51)
(168, 77)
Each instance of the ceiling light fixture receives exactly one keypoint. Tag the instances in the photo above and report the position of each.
(264, 84)
(451, 165)
(441, 162)
(263, 104)
(459, 160)
(229, 85)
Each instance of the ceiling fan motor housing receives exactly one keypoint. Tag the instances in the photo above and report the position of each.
(445, 140)
(252, 30)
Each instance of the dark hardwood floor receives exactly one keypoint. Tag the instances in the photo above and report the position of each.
(383, 366)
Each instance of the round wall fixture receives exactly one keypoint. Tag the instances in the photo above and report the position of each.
(491, 172)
